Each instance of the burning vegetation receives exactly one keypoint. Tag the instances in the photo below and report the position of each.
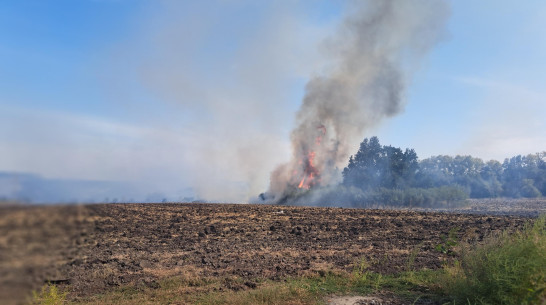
(383, 175)
(371, 57)
(311, 175)
(368, 68)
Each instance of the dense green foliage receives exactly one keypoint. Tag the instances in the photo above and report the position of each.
(509, 269)
(388, 171)
(376, 166)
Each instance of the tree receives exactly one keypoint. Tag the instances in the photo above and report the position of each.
(522, 175)
(363, 170)
(479, 179)
(375, 166)
(436, 171)
(382, 169)
(491, 175)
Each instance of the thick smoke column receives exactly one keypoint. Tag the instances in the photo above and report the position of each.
(376, 47)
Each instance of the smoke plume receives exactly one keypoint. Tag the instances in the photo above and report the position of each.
(377, 46)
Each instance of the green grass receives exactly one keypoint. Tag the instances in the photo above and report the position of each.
(314, 290)
(506, 269)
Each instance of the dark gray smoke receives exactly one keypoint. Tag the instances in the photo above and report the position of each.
(377, 46)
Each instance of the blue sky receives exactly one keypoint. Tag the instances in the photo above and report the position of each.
(481, 91)
(172, 95)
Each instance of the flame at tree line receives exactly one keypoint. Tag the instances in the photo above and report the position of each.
(311, 174)
(368, 64)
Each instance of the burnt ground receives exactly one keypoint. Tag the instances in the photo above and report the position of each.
(92, 248)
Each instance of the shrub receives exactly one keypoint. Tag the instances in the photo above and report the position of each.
(444, 196)
(508, 269)
(528, 190)
(49, 295)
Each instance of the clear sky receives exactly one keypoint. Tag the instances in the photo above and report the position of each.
(173, 95)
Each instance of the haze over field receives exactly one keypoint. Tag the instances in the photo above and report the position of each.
(158, 100)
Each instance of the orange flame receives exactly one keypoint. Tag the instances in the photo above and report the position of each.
(301, 183)
(310, 172)
(311, 175)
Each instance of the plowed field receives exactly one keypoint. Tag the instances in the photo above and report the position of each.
(92, 248)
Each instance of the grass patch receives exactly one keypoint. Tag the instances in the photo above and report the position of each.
(407, 286)
(268, 294)
(507, 269)
(294, 291)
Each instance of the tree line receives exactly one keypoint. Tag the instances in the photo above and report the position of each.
(387, 174)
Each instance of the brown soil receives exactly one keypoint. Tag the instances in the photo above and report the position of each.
(92, 248)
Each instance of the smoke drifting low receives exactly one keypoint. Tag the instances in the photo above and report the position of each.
(376, 48)
(218, 76)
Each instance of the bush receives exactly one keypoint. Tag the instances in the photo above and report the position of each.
(508, 269)
(49, 295)
(445, 196)
(438, 197)
(528, 190)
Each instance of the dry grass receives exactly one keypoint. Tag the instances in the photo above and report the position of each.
(192, 289)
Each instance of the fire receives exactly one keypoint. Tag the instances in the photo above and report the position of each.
(311, 175)
(301, 183)
(310, 172)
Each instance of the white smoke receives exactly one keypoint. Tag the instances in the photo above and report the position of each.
(377, 47)
(224, 71)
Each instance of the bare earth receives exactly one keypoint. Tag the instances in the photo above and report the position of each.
(92, 248)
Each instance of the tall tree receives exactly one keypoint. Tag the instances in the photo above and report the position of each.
(520, 174)
(491, 175)
(376, 166)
